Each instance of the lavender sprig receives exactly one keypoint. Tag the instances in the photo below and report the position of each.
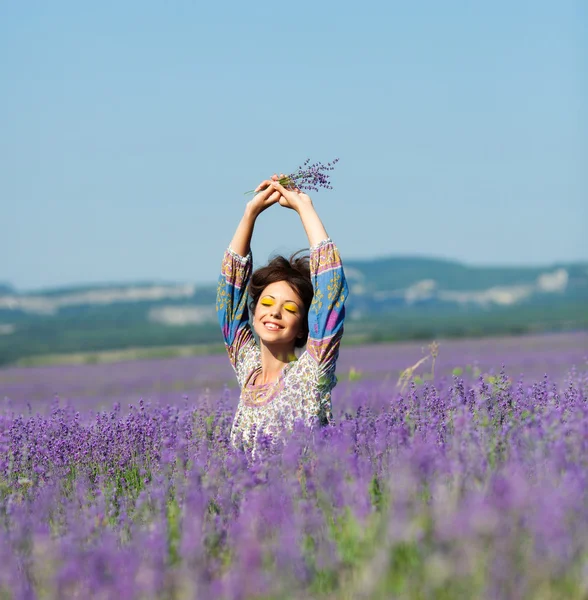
(308, 177)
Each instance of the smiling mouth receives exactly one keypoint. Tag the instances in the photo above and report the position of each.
(273, 326)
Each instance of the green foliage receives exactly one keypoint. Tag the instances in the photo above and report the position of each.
(377, 493)
(173, 513)
(355, 374)
(405, 559)
(354, 540)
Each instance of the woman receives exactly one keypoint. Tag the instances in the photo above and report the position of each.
(293, 303)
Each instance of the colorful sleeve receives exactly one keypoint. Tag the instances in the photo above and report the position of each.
(231, 305)
(327, 311)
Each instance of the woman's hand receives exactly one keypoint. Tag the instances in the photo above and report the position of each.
(265, 196)
(302, 204)
(290, 197)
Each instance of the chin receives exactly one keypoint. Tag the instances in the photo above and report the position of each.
(269, 338)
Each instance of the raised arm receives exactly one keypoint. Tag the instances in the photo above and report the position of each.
(266, 196)
(327, 312)
(231, 294)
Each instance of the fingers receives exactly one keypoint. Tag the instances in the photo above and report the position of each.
(263, 185)
(268, 195)
(278, 186)
(286, 192)
(270, 191)
(274, 197)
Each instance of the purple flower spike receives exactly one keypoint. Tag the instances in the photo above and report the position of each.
(309, 177)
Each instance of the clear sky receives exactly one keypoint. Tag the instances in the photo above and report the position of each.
(130, 130)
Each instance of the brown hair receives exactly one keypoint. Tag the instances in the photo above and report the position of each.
(295, 271)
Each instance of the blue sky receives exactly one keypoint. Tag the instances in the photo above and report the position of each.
(130, 130)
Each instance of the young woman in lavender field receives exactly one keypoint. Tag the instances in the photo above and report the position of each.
(294, 303)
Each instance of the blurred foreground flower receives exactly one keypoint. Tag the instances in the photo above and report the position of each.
(308, 177)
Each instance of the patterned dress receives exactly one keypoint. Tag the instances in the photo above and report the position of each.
(303, 390)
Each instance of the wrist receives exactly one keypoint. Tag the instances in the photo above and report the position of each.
(304, 206)
(251, 212)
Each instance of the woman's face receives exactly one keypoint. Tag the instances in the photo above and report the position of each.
(279, 315)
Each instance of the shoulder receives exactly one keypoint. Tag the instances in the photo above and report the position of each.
(249, 359)
(306, 367)
(307, 374)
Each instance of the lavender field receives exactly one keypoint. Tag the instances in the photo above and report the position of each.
(470, 481)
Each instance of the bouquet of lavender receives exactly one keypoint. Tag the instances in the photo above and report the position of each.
(308, 177)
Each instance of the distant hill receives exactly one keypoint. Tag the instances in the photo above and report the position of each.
(393, 297)
(403, 272)
(395, 282)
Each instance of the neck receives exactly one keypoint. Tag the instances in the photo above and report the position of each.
(273, 360)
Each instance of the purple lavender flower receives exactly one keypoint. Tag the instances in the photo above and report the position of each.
(308, 177)
(459, 483)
